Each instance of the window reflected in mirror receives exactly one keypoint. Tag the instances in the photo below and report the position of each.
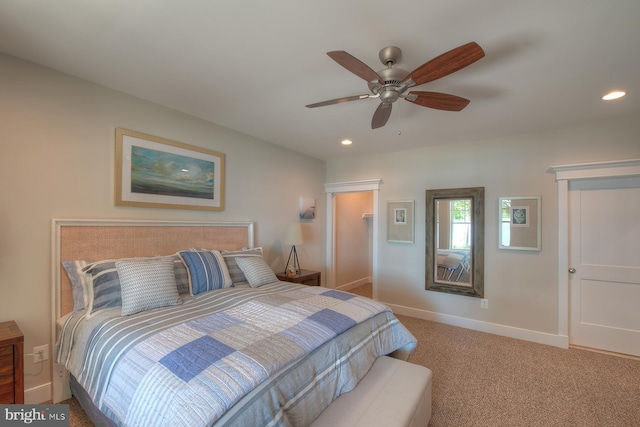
(453, 242)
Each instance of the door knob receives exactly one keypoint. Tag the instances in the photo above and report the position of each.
(572, 270)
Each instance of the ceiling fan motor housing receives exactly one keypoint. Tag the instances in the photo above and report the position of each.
(392, 88)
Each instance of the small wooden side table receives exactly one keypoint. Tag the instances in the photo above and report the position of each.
(306, 277)
(11, 363)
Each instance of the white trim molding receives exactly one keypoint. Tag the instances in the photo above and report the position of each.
(38, 394)
(353, 186)
(610, 169)
(481, 326)
(564, 174)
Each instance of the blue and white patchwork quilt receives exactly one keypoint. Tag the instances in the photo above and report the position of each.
(275, 355)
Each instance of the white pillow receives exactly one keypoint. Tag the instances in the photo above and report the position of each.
(256, 270)
(147, 283)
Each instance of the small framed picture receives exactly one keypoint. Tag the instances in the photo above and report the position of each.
(400, 221)
(519, 223)
(520, 216)
(307, 208)
(399, 215)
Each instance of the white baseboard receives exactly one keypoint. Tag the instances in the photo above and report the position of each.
(561, 341)
(38, 394)
(354, 284)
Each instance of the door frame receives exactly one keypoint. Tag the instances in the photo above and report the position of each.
(564, 174)
(331, 189)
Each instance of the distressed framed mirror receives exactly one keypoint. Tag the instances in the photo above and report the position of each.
(454, 255)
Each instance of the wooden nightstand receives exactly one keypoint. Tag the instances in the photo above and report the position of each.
(306, 277)
(11, 363)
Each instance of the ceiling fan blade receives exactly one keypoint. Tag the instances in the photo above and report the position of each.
(338, 101)
(439, 101)
(354, 65)
(445, 64)
(381, 115)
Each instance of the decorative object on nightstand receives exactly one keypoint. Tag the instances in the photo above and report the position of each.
(293, 237)
(11, 363)
(306, 277)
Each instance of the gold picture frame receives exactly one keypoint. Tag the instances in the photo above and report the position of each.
(159, 173)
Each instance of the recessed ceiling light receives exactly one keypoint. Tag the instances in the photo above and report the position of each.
(346, 142)
(614, 95)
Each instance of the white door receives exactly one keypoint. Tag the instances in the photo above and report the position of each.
(604, 251)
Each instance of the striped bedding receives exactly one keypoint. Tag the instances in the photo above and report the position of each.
(276, 355)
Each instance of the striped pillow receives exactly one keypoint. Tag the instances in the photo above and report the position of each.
(237, 276)
(256, 270)
(207, 270)
(104, 291)
(182, 275)
(80, 283)
(147, 283)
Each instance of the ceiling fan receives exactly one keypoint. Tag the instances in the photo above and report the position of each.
(391, 83)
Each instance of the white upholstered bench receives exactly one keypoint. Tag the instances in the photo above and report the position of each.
(394, 393)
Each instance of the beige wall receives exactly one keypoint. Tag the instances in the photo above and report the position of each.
(57, 140)
(522, 287)
(353, 238)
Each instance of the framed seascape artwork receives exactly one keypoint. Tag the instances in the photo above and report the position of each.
(160, 173)
(400, 221)
(519, 223)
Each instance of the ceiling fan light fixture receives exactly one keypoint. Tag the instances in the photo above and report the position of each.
(616, 94)
(389, 96)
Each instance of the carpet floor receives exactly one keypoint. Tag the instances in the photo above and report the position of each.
(487, 380)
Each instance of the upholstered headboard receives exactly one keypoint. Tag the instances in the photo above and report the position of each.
(95, 240)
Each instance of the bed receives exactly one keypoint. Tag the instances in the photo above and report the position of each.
(233, 347)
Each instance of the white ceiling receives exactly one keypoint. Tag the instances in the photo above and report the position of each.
(252, 66)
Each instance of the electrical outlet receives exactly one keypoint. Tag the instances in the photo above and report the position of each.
(40, 353)
(484, 303)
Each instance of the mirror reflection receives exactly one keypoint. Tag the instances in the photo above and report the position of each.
(455, 241)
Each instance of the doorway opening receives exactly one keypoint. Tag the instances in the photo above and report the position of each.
(368, 224)
(354, 239)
